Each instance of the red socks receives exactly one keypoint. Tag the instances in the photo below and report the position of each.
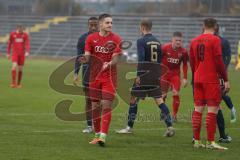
(211, 121)
(196, 124)
(14, 76)
(19, 77)
(106, 119)
(176, 103)
(96, 119)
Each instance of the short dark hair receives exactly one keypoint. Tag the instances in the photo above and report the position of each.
(210, 22)
(177, 34)
(103, 16)
(147, 23)
(92, 18)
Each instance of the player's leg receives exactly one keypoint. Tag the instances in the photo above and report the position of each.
(175, 81)
(88, 110)
(14, 70)
(21, 60)
(165, 85)
(220, 120)
(96, 120)
(132, 114)
(106, 120)
(166, 116)
(20, 74)
(224, 138)
(199, 104)
(95, 95)
(213, 99)
(108, 91)
(228, 101)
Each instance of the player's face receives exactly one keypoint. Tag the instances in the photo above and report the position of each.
(106, 24)
(177, 42)
(93, 26)
(20, 29)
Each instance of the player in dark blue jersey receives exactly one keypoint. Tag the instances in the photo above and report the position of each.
(93, 27)
(147, 83)
(226, 54)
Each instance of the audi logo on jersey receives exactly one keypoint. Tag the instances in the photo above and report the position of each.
(102, 49)
(173, 60)
(18, 40)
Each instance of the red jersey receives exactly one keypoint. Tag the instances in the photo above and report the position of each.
(205, 51)
(19, 43)
(172, 59)
(102, 48)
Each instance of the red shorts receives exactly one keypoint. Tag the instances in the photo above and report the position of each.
(207, 94)
(102, 90)
(172, 82)
(19, 59)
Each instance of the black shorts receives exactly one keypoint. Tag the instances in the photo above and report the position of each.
(222, 85)
(146, 91)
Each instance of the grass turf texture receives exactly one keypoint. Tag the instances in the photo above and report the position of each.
(30, 130)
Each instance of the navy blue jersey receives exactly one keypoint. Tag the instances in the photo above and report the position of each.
(80, 52)
(149, 58)
(226, 51)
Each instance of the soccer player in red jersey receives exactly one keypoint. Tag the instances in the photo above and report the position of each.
(173, 55)
(103, 49)
(207, 66)
(19, 46)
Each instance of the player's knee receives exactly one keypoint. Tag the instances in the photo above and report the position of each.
(213, 109)
(199, 109)
(14, 66)
(95, 104)
(159, 101)
(20, 68)
(175, 93)
(106, 104)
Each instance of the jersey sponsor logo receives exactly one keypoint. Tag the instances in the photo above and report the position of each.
(19, 40)
(173, 60)
(102, 49)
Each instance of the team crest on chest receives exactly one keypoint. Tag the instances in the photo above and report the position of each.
(180, 54)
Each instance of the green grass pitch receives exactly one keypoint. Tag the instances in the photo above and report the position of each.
(30, 130)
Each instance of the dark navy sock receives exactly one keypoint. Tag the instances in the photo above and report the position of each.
(89, 123)
(228, 101)
(132, 114)
(165, 114)
(221, 124)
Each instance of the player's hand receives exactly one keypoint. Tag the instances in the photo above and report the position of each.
(26, 54)
(8, 56)
(75, 80)
(227, 86)
(82, 59)
(105, 66)
(184, 83)
(137, 81)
